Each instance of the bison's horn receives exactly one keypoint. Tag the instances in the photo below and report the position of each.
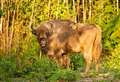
(33, 30)
(74, 26)
(32, 27)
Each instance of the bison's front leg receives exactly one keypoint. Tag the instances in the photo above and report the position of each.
(58, 57)
(64, 61)
(62, 58)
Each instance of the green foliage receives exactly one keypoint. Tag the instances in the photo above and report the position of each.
(23, 58)
(1, 13)
(77, 61)
(105, 16)
(112, 42)
(41, 69)
(46, 70)
(42, 11)
(64, 74)
(103, 12)
(7, 67)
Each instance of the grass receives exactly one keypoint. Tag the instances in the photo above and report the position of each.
(45, 70)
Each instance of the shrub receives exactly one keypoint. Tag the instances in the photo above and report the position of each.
(77, 61)
(7, 67)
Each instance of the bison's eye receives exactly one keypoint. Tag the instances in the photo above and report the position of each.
(47, 34)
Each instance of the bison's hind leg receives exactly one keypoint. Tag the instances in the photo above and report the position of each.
(88, 61)
(97, 62)
(97, 66)
(96, 58)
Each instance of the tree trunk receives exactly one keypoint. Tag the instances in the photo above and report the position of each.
(49, 7)
(74, 9)
(66, 2)
(12, 28)
(6, 32)
(1, 19)
(84, 11)
(78, 10)
(117, 7)
(32, 14)
(58, 2)
(90, 10)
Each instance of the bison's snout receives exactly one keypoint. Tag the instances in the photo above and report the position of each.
(43, 42)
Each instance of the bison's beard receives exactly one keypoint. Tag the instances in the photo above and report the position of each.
(44, 49)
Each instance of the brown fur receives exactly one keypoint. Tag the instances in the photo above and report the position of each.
(48, 28)
(85, 39)
(57, 38)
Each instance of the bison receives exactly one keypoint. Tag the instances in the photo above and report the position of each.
(46, 29)
(86, 38)
(58, 38)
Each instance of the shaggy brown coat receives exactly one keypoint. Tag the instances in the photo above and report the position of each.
(48, 28)
(86, 38)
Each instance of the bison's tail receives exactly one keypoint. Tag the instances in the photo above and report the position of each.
(97, 49)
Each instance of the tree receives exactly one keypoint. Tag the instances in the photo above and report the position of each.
(84, 10)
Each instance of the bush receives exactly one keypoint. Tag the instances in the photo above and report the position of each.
(64, 74)
(111, 41)
(77, 61)
(34, 68)
(7, 67)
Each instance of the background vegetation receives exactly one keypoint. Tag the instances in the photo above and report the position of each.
(20, 55)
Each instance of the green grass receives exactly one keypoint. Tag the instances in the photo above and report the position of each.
(42, 69)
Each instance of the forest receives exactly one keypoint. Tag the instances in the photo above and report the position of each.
(21, 59)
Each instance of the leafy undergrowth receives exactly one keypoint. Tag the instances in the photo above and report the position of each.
(44, 70)
(38, 69)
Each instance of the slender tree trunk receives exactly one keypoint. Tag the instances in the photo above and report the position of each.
(101, 11)
(78, 10)
(67, 5)
(57, 8)
(49, 7)
(3, 30)
(3, 37)
(18, 57)
(7, 30)
(12, 28)
(84, 11)
(17, 9)
(66, 2)
(1, 19)
(32, 14)
(1, 25)
(117, 7)
(90, 10)
(74, 9)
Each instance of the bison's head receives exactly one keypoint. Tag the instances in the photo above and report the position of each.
(42, 34)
